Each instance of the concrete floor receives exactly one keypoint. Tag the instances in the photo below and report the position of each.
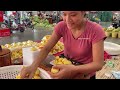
(27, 35)
(36, 36)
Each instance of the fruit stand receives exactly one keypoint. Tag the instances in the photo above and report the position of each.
(17, 56)
(17, 53)
(42, 23)
(112, 32)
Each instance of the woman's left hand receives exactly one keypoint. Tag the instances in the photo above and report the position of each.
(65, 72)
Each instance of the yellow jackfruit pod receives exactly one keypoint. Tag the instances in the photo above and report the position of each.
(67, 62)
(18, 76)
(36, 77)
(37, 72)
(59, 63)
(60, 59)
(57, 57)
(53, 70)
(33, 49)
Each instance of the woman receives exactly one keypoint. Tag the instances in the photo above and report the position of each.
(84, 43)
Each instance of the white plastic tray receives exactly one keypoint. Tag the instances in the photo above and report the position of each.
(10, 72)
(112, 48)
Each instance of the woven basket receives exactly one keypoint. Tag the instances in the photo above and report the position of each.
(10, 72)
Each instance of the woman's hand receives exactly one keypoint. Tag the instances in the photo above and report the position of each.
(28, 72)
(65, 72)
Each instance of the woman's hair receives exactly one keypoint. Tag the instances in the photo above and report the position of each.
(85, 15)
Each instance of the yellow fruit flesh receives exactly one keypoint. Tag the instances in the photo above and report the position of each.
(18, 77)
(53, 70)
(59, 61)
(37, 72)
(33, 49)
(57, 48)
(36, 75)
(16, 48)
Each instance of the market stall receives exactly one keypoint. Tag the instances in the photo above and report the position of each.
(112, 32)
(20, 56)
(44, 24)
(23, 53)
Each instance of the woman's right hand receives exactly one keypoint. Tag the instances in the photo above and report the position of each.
(28, 72)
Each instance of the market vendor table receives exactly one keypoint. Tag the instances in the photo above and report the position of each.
(4, 32)
(107, 69)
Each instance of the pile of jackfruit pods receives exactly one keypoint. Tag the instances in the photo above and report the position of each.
(36, 75)
(60, 61)
(57, 48)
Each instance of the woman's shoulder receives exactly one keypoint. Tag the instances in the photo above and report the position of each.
(60, 28)
(61, 23)
(93, 26)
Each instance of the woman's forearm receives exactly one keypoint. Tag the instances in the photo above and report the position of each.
(88, 68)
(43, 54)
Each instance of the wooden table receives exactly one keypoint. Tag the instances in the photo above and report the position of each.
(106, 69)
